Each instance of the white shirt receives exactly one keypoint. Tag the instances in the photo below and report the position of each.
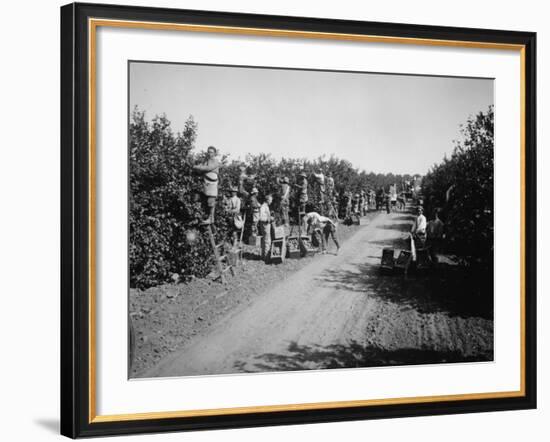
(419, 225)
(265, 213)
(317, 221)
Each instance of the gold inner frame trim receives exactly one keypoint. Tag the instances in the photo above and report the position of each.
(93, 24)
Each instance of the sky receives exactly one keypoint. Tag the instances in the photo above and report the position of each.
(379, 122)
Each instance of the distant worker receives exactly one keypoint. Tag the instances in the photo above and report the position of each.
(320, 180)
(234, 207)
(418, 229)
(265, 220)
(254, 208)
(243, 176)
(401, 201)
(210, 170)
(356, 205)
(302, 192)
(393, 197)
(387, 202)
(285, 199)
(348, 199)
(330, 186)
(364, 203)
(323, 227)
(435, 234)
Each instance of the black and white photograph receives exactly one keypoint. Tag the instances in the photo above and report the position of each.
(287, 219)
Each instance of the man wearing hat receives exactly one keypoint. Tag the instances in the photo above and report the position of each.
(234, 207)
(302, 196)
(330, 185)
(254, 206)
(210, 170)
(285, 199)
(356, 205)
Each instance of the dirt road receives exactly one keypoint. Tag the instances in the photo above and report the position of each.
(339, 311)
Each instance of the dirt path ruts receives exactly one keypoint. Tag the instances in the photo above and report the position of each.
(336, 312)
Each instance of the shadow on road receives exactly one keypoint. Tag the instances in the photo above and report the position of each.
(402, 227)
(451, 290)
(352, 355)
(404, 218)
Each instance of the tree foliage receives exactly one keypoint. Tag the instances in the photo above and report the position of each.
(165, 237)
(462, 187)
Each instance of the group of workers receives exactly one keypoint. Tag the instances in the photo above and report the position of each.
(428, 234)
(259, 215)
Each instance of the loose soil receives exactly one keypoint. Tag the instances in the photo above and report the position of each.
(324, 311)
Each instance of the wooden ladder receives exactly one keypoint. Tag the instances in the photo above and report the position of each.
(221, 261)
(331, 211)
(300, 215)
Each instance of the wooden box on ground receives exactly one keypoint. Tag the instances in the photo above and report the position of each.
(254, 240)
(292, 247)
(388, 259)
(306, 247)
(404, 260)
(278, 250)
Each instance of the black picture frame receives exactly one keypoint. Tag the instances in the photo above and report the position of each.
(75, 220)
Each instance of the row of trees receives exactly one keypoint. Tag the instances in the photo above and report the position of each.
(163, 196)
(462, 187)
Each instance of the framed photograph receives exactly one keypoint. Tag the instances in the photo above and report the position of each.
(273, 220)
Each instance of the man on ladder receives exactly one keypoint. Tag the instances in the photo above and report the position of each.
(210, 170)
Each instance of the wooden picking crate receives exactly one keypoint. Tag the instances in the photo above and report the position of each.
(306, 247)
(388, 259)
(293, 247)
(254, 240)
(404, 260)
(278, 250)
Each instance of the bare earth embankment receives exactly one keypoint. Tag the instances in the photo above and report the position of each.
(322, 312)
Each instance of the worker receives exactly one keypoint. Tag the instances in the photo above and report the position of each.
(435, 234)
(302, 189)
(320, 180)
(285, 199)
(234, 208)
(330, 186)
(322, 227)
(393, 196)
(210, 170)
(254, 207)
(356, 205)
(418, 229)
(265, 219)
